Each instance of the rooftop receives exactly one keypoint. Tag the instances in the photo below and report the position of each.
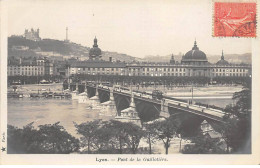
(98, 64)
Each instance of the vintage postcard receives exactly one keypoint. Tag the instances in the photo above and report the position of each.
(129, 82)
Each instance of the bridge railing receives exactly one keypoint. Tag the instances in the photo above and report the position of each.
(196, 107)
(209, 106)
(175, 99)
(176, 102)
(200, 112)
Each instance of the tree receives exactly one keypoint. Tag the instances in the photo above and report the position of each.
(236, 130)
(150, 135)
(15, 142)
(31, 138)
(89, 130)
(166, 130)
(236, 133)
(118, 134)
(106, 136)
(104, 139)
(133, 136)
(55, 139)
(49, 138)
(229, 132)
(244, 102)
(203, 144)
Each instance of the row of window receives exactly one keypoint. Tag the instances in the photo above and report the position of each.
(25, 73)
(157, 69)
(133, 73)
(16, 71)
(40, 69)
(223, 70)
(99, 69)
(160, 69)
(230, 74)
(103, 73)
(157, 74)
(24, 68)
(14, 67)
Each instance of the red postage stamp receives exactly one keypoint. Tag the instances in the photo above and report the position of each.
(234, 19)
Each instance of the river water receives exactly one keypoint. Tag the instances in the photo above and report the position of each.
(48, 111)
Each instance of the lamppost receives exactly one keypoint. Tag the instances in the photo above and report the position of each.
(192, 93)
(191, 90)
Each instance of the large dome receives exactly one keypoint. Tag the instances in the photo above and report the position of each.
(194, 55)
(95, 52)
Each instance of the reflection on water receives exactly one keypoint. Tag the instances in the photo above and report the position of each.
(48, 111)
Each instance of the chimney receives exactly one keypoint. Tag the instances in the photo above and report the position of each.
(20, 60)
(110, 59)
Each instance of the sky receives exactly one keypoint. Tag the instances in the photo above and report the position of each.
(134, 27)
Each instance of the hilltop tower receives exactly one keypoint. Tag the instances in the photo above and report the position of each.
(67, 35)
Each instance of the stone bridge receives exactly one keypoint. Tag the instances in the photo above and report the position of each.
(150, 109)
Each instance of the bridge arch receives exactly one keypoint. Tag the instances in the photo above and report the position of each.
(122, 102)
(103, 95)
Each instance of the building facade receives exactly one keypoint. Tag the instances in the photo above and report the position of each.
(36, 67)
(193, 63)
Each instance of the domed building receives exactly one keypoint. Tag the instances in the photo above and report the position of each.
(95, 52)
(194, 63)
(195, 56)
(222, 61)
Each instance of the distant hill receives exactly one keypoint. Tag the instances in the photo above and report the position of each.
(72, 49)
(158, 58)
(57, 46)
(232, 58)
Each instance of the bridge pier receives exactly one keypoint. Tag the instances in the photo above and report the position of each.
(86, 89)
(83, 98)
(109, 107)
(75, 93)
(69, 86)
(130, 114)
(164, 113)
(94, 101)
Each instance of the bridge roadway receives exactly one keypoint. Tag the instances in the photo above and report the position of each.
(210, 113)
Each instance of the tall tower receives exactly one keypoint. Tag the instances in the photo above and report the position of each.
(66, 33)
(67, 37)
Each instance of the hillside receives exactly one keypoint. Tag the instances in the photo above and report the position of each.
(72, 49)
(56, 46)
